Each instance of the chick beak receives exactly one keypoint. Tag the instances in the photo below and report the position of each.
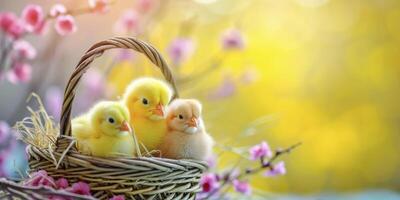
(192, 122)
(159, 110)
(125, 127)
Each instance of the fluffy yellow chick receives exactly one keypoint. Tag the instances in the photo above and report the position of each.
(186, 137)
(104, 131)
(146, 99)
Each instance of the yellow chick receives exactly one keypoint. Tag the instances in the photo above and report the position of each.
(146, 99)
(186, 137)
(104, 131)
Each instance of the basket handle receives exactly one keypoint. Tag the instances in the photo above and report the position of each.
(96, 51)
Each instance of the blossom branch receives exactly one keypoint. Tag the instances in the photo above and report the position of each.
(34, 20)
(268, 164)
(261, 152)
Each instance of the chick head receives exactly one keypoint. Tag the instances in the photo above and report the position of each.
(147, 97)
(184, 115)
(111, 118)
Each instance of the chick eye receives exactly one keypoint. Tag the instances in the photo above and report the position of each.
(111, 120)
(145, 101)
(180, 116)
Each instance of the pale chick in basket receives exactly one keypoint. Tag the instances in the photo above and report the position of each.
(186, 137)
(146, 100)
(104, 131)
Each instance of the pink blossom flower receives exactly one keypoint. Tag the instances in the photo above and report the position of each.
(99, 6)
(62, 183)
(146, 5)
(278, 169)
(81, 188)
(58, 9)
(226, 89)
(16, 29)
(53, 101)
(259, 151)
(40, 178)
(209, 182)
(128, 22)
(65, 25)
(118, 197)
(180, 49)
(7, 19)
(4, 131)
(33, 16)
(20, 73)
(242, 187)
(232, 39)
(23, 50)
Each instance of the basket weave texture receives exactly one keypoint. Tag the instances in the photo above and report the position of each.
(136, 178)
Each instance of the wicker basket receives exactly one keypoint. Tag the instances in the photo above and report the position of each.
(136, 178)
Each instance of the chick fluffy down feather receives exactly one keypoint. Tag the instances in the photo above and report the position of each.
(186, 137)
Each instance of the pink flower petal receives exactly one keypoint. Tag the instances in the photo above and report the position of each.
(226, 89)
(16, 30)
(180, 49)
(5, 131)
(278, 169)
(62, 183)
(65, 25)
(23, 50)
(209, 182)
(32, 15)
(232, 39)
(20, 73)
(40, 178)
(259, 151)
(81, 188)
(242, 187)
(128, 22)
(6, 20)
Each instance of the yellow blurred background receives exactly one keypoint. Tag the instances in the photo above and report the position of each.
(324, 72)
